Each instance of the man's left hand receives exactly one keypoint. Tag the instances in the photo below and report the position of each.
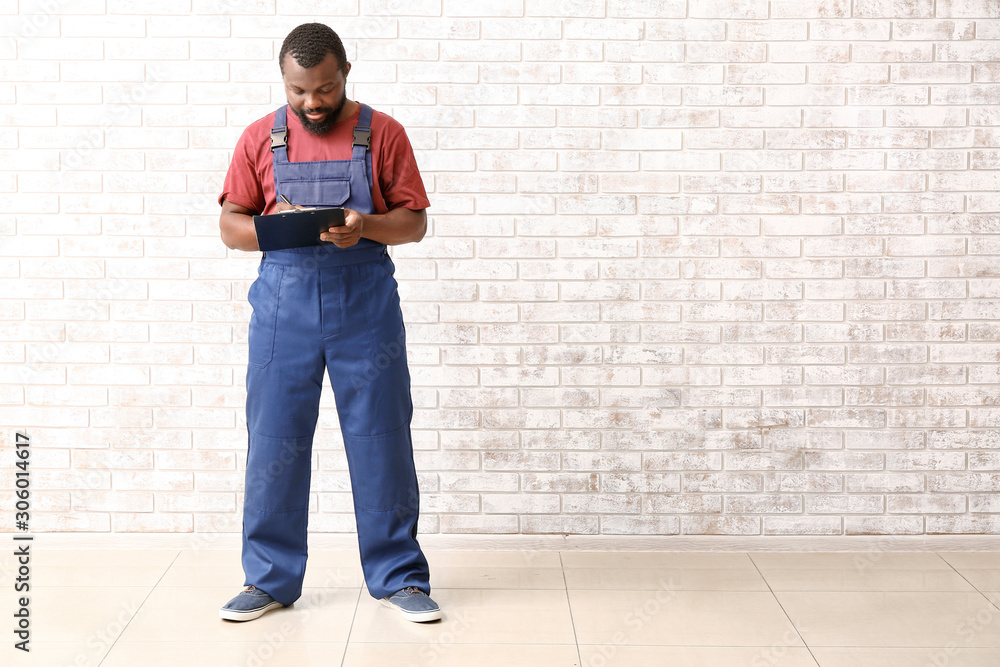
(348, 234)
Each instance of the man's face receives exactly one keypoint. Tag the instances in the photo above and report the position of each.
(317, 95)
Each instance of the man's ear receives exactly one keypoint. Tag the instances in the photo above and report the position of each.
(347, 69)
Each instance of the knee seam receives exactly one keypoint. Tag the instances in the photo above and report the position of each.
(378, 435)
(279, 437)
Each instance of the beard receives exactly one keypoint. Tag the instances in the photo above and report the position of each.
(323, 126)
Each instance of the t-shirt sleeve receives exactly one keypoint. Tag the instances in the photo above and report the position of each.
(399, 178)
(242, 186)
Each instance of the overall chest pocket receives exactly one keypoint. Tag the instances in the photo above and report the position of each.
(317, 191)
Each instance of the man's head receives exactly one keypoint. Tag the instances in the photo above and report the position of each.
(314, 69)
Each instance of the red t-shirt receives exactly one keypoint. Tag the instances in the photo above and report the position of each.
(250, 179)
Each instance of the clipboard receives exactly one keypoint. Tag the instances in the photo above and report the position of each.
(296, 228)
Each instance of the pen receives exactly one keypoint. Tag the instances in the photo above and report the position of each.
(286, 200)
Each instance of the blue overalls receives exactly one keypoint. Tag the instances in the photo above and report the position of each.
(324, 307)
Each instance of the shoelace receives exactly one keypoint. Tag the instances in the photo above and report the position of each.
(412, 589)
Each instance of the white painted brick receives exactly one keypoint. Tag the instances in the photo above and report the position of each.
(930, 418)
(457, 523)
(657, 228)
(562, 50)
(811, 9)
(762, 375)
(926, 374)
(517, 29)
(514, 503)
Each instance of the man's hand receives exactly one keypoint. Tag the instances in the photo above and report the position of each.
(282, 206)
(348, 234)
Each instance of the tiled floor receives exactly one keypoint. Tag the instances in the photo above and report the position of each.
(525, 608)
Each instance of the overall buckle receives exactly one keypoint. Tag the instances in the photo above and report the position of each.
(363, 136)
(279, 137)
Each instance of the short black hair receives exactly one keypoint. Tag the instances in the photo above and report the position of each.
(310, 43)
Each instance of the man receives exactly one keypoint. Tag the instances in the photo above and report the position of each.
(332, 306)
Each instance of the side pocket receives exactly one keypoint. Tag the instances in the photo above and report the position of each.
(263, 297)
(385, 316)
(387, 265)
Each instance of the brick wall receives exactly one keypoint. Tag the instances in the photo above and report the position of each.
(703, 267)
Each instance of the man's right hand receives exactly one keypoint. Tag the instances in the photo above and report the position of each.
(282, 206)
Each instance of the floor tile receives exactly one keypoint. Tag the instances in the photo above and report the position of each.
(699, 618)
(890, 618)
(665, 578)
(324, 569)
(525, 559)
(698, 560)
(627, 609)
(472, 617)
(972, 560)
(58, 654)
(59, 576)
(266, 651)
(877, 571)
(204, 575)
(452, 654)
(540, 578)
(43, 557)
(331, 576)
(321, 614)
(87, 567)
(953, 656)
(213, 557)
(317, 576)
(495, 569)
(982, 569)
(645, 570)
(696, 656)
(340, 558)
(982, 579)
(83, 613)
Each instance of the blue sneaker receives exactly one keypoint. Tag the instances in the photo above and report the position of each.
(413, 604)
(251, 603)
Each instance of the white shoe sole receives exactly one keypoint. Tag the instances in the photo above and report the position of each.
(415, 616)
(236, 615)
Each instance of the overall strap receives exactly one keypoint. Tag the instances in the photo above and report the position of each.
(362, 144)
(363, 133)
(279, 145)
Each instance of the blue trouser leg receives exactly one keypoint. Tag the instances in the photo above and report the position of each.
(284, 382)
(346, 318)
(371, 382)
